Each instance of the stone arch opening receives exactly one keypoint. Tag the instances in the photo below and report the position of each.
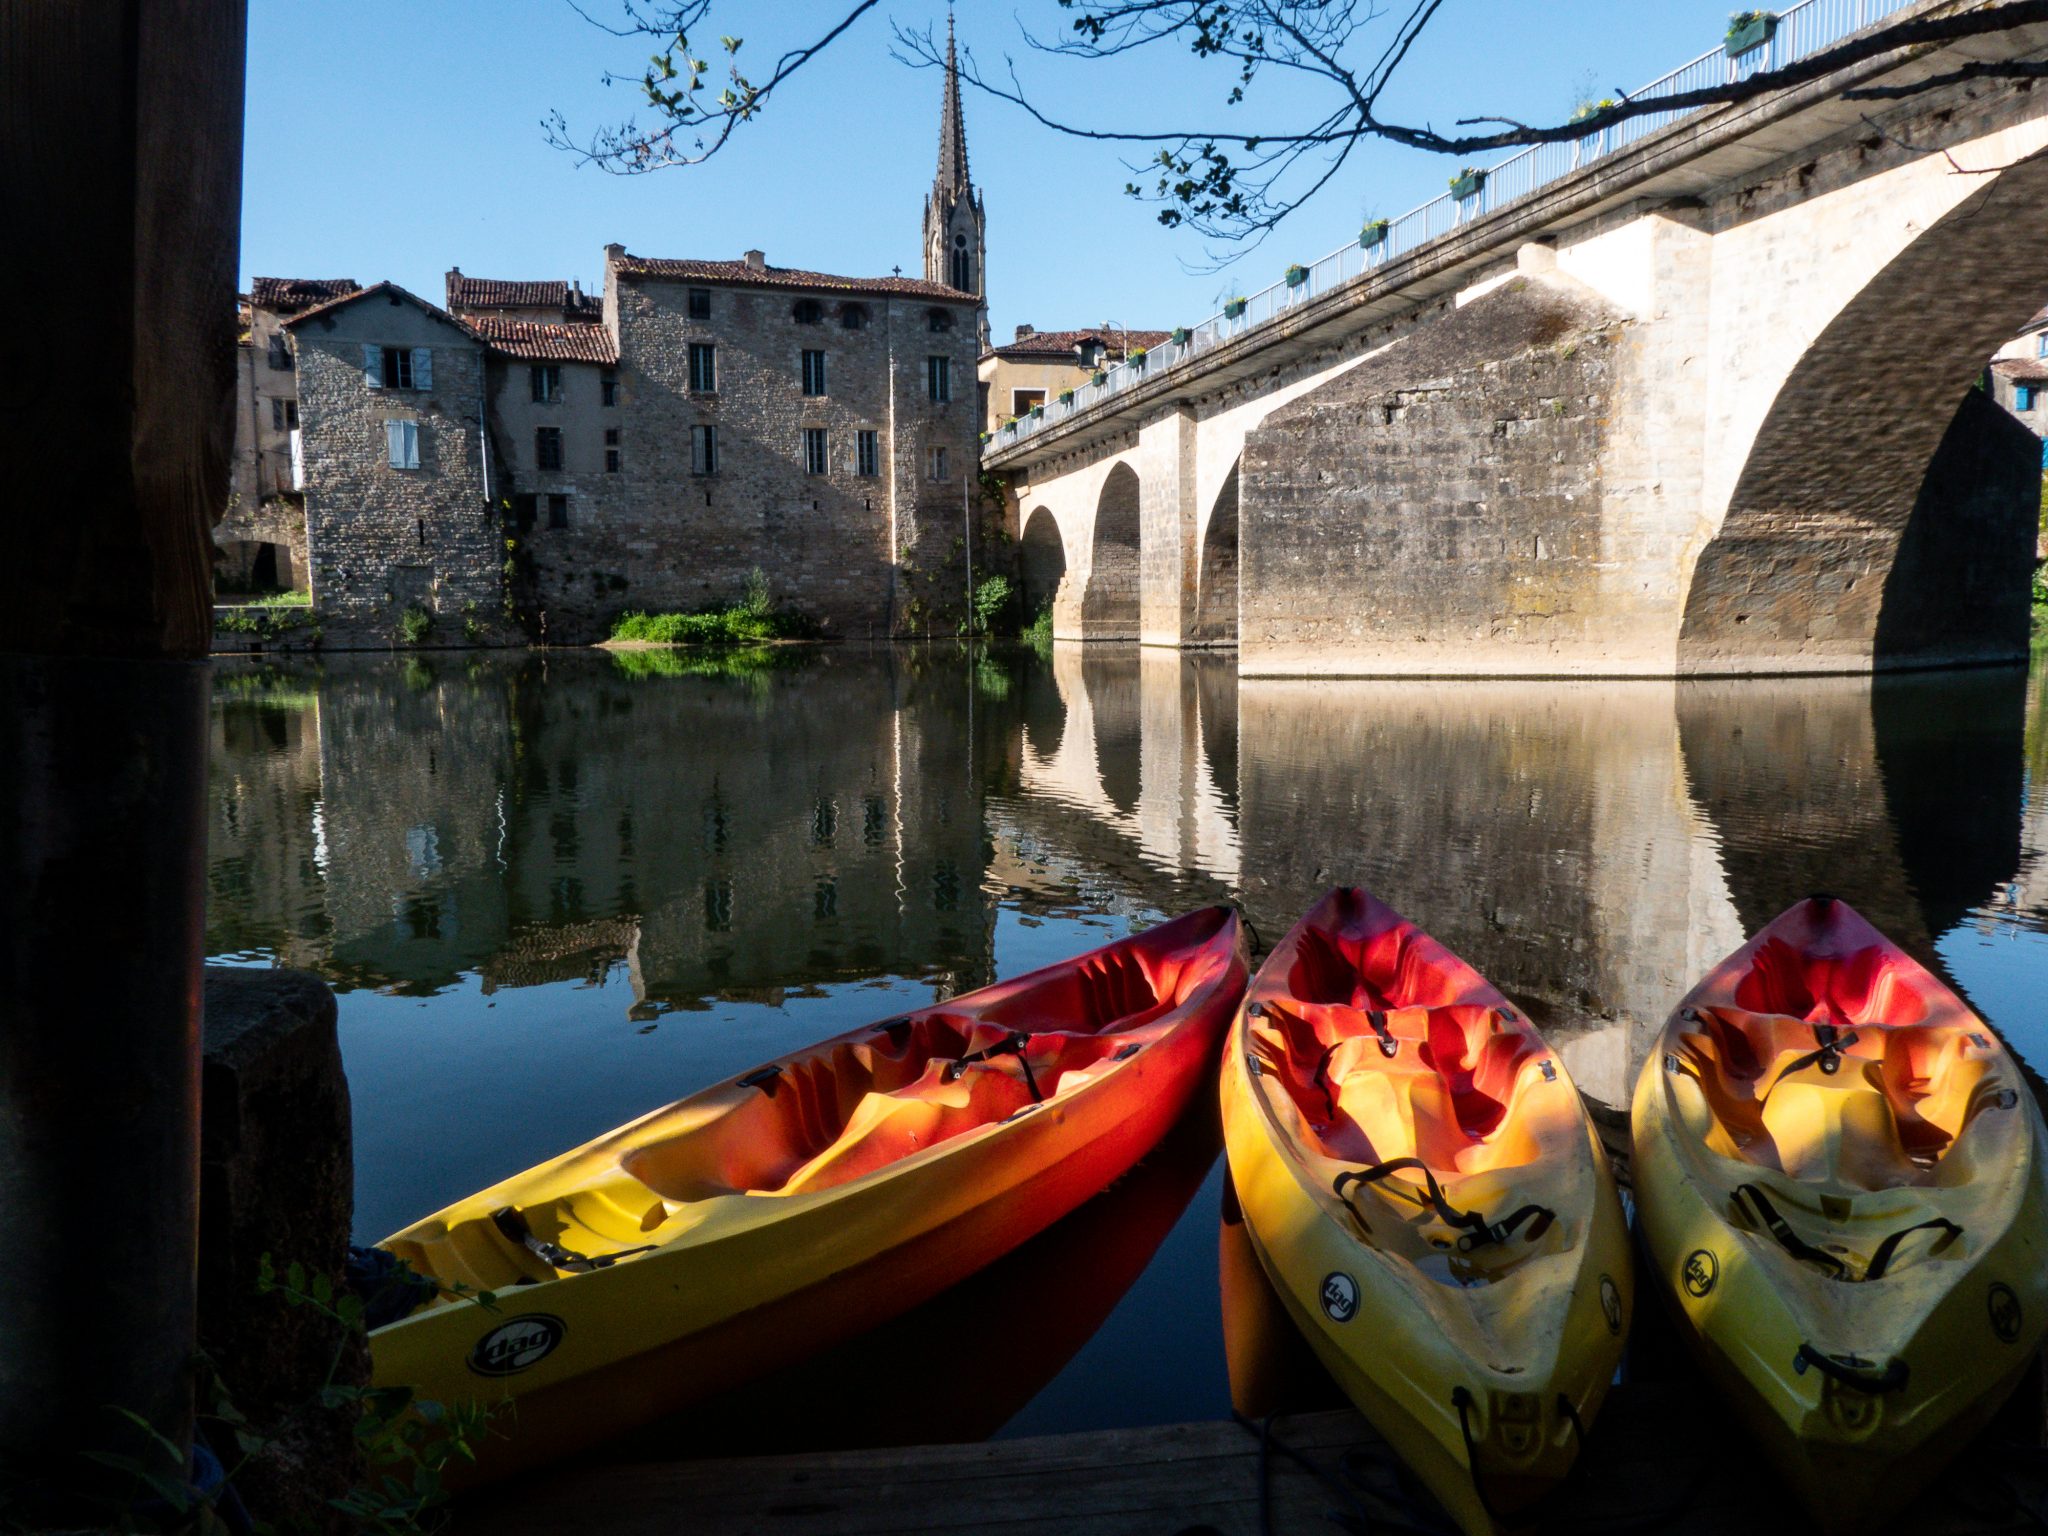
(1885, 515)
(1216, 591)
(1109, 606)
(1041, 562)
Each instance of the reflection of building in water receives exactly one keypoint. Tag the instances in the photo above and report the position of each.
(537, 821)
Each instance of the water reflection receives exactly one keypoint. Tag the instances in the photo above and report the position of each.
(660, 872)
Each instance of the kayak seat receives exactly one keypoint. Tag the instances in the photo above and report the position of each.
(1355, 966)
(837, 1115)
(1444, 1096)
(1839, 1132)
(1844, 988)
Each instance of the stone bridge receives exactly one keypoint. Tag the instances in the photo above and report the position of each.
(1702, 405)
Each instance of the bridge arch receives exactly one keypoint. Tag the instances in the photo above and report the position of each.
(1041, 562)
(1109, 605)
(1215, 620)
(1884, 513)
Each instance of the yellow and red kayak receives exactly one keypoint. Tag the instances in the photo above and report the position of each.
(756, 1222)
(1839, 1178)
(1421, 1183)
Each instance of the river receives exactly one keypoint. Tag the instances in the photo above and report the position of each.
(556, 890)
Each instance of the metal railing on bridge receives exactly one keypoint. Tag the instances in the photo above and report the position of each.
(1796, 33)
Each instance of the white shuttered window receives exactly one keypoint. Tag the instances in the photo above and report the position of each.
(402, 444)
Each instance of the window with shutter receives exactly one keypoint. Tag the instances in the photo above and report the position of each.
(547, 448)
(422, 368)
(703, 450)
(814, 373)
(866, 453)
(703, 367)
(816, 457)
(402, 444)
(938, 377)
(373, 366)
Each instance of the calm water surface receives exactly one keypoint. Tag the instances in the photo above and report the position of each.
(555, 892)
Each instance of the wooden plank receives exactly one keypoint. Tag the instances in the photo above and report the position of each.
(1665, 1458)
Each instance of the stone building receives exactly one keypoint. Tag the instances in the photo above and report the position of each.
(402, 526)
(262, 539)
(535, 460)
(1039, 364)
(2019, 376)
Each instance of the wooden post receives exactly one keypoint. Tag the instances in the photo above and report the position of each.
(120, 147)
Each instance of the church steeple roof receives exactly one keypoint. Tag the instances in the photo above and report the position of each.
(952, 180)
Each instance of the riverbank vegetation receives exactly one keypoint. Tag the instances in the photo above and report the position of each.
(750, 621)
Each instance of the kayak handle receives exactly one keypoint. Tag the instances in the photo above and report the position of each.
(1853, 1372)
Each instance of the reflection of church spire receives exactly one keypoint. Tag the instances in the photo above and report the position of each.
(955, 244)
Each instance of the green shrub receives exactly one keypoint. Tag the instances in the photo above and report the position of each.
(415, 624)
(1038, 633)
(992, 596)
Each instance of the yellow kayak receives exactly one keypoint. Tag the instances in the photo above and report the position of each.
(1423, 1188)
(755, 1223)
(1839, 1178)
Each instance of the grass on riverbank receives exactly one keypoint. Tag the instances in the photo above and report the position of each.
(750, 621)
(267, 600)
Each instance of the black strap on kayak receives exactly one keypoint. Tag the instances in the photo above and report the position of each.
(1799, 1248)
(1389, 1046)
(1881, 1260)
(1832, 1044)
(1789, 1240)
(1851, 1370)
(1463, 1400)
(1012, 1044)
(512, 1225)
(1477, 1230)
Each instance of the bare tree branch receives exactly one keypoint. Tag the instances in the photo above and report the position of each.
(1232, 182)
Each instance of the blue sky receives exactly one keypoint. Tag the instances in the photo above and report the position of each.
(397, 138)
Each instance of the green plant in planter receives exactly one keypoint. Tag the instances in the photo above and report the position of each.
(1297, 274)
(1467, 183)
(1098, 378)
(1747, 30)
(1137, 358)
(1037, 412)
(1373, 233)
(1066, 397)
(1586, 109)
(1180, 335)
(1234, 310)
(984, 437)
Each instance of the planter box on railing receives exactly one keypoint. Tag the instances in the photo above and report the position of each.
(1297, 275)
(1038, 413)
(1374, 233)
(1467, 184)
(1748, 30)
(1137, 359)
(1234, 310)
(1098, 378)
(1180, 336)
(1066, 397)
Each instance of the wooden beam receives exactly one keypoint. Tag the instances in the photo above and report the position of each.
(120, 147)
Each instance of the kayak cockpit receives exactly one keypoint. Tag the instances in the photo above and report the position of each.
(1837, 1068)
(822, 1118)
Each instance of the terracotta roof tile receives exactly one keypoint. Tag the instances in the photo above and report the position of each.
(738, 272)
(541, 342)
(290, 295)
(466, 292)
(2023, 370)
(1061, 344)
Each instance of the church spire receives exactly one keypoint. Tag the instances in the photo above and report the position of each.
(955, 239)
(952, 179)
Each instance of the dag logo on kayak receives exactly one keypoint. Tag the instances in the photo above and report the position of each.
(1340, 1296)
(515, 1345)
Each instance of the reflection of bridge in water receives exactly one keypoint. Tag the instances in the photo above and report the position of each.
(1591, 846)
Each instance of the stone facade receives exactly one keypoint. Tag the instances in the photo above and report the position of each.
(261, 540)
(388, 539)
(1035, 367)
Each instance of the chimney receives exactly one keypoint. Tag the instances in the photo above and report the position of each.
(614, 252)
(1024, 332)
(757, 261)
(576, 290)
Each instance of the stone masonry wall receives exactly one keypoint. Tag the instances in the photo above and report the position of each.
(1443, 500)
(383, 540)
(657, 537)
